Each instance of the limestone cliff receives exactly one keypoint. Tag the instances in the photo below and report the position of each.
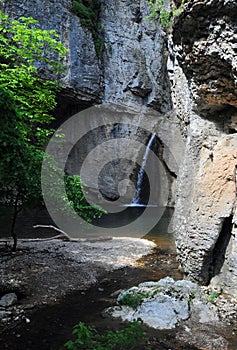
(132, 70)
(189, 79)
(82, 82)
(205, 221)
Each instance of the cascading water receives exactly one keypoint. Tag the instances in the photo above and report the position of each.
(140, 178)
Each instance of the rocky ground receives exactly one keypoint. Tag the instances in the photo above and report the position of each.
(55, 284)
(42, 273)
(200, 314)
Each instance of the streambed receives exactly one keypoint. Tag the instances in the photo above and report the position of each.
(63, 291)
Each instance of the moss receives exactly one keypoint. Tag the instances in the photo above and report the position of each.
(212, 297)
(133, 300)
(89, 12)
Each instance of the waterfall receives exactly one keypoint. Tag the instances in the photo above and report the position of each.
(137, 195)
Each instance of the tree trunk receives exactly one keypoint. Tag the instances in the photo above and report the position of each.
(16, 211)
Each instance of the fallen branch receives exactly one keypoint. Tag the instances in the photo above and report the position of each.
(62, 233)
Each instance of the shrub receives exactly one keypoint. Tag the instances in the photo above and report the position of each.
(165, 11)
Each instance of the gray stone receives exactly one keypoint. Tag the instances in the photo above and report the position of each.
(191, 82)
(206, 184)
(8, 299)
(209, 58)
(4, 314)
(82, 80)
(163, 312)
(202, 313)
(135, 62)
(165, 304)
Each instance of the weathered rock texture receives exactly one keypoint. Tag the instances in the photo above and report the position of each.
(205, 217)
(135, 56)
(131, 71)
(82, 83)
(207, 51)
(197, 95)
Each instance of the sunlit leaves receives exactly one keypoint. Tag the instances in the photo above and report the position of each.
(24, 47)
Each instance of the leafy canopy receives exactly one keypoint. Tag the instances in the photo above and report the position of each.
(20, 161)
(26, 100)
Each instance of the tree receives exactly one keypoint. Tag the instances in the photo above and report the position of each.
(20, 161)
(29, 57)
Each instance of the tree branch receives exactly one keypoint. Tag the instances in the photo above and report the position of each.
(62, 233)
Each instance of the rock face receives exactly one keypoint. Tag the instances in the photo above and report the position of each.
(135, 56)
(131, 71)
(205, 216)
(180, 305)
(83, 79)
(192, 101)
(208, 56)
(8, 299)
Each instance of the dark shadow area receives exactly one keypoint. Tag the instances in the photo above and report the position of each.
(219, 251)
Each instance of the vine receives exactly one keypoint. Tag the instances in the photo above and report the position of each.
(89, 12)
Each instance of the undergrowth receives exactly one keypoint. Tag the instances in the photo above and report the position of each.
(89, 338)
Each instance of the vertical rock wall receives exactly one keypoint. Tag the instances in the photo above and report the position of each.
(82, 82)
(205, 219)
(195, 100)
(135, 56)
(132, 71)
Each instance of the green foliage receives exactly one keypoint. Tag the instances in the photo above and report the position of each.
(132, 299)
(212, 297)
(191, 297)
(54, 180)
(20, 160)
(89, 11)
(26, 100)
(165, 11)
(88, 338)
(24, 48)
(75, 194)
